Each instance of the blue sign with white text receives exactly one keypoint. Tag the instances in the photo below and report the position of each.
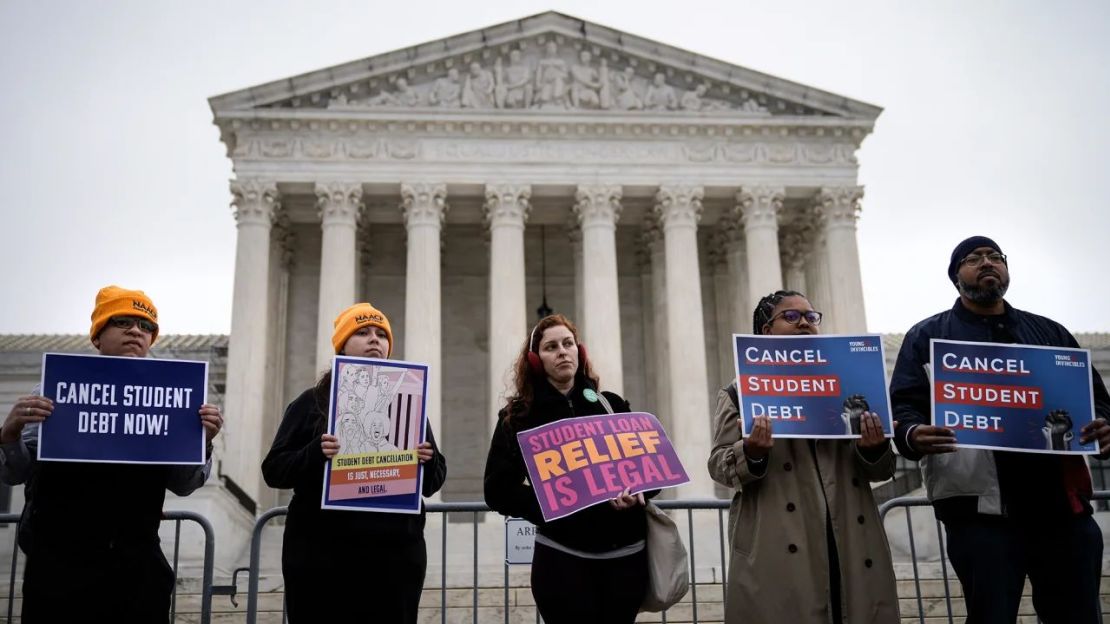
(811, 386)
(123, 410)
(1013, 397)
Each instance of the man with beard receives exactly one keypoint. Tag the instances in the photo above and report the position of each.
(1006, 515)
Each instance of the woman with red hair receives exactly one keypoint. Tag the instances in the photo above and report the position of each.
(590, 566)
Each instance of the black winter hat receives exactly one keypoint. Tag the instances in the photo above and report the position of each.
(967, 246)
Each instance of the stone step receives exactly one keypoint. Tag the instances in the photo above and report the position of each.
(491, 604)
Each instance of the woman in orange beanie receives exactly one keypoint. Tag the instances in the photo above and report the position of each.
(391, 544)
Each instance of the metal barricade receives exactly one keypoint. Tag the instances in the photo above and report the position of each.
(908, 502)
(476, 509)
(177, 517)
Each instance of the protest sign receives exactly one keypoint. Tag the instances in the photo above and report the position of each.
(377, 412)
(578, 462)
(1011, 397)
(123, 410)
(811, 386)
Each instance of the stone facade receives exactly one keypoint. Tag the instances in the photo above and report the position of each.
(670, 190)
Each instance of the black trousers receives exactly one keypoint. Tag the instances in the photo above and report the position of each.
(573, 590)
(1062, 557)
(129, 584)
(328, 580)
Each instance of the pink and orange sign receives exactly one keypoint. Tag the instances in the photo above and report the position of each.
(579, 462)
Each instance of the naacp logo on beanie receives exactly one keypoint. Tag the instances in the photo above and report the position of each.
(143, 307)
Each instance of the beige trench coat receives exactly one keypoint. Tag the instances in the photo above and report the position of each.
(779, 563)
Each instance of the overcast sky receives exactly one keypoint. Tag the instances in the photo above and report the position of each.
(996, 122)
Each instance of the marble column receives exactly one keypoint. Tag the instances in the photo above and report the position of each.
(574, 236)
(722, 309)
(598, 208)
(679, 209)
(817, 271)
(424, 207)
(340, 206)
(255, 203)
(737, 259)
(758, 208)
(650, 399)
(282, 243)
(653, 239)
(840, 208)
(506, 211)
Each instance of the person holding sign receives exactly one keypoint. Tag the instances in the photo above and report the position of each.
(90, 530)
(319, 542)
(1006, 514)
(807, 542)
(590, 566)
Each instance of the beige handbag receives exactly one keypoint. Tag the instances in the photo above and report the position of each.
(668, 570)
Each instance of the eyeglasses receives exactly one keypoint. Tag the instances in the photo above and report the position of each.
(974, 260)
(795, 316)
(127, 322)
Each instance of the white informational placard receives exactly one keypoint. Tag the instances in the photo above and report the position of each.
(520, 541)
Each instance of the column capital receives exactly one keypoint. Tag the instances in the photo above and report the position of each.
(424, 203)
(717, 251)
(759, 206)
(597, 204)
(795, 247)
(254, 201)
(678, 205)
(286, 241)
(507, 204)
(838, 206)
(339, 202)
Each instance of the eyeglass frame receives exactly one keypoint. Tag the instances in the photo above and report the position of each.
(801, 314)
(979, 258)
(127, 322)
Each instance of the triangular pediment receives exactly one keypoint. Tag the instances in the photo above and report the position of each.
(549, 62)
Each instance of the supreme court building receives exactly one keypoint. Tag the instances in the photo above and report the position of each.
(649, 193)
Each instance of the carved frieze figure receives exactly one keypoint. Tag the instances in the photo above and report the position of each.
(660, 95)
(447, 91)
(589, 87)
(751, 106)
(478, 88)
(514, 84)
(403, 96)
(551, 79)
(692, 99)
(625, 96)
(338, 101)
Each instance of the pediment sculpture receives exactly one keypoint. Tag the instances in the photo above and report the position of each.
(551, 79)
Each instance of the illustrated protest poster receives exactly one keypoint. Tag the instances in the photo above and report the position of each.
(578, 462)
(123, 410)
(811, 386)
(378, 413)
(1013, 397)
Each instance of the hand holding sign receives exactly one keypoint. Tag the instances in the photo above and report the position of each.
(871, 431)
(1097, 430)
(930, 440)
(27, 410)
(758, 445)
(212, 421)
